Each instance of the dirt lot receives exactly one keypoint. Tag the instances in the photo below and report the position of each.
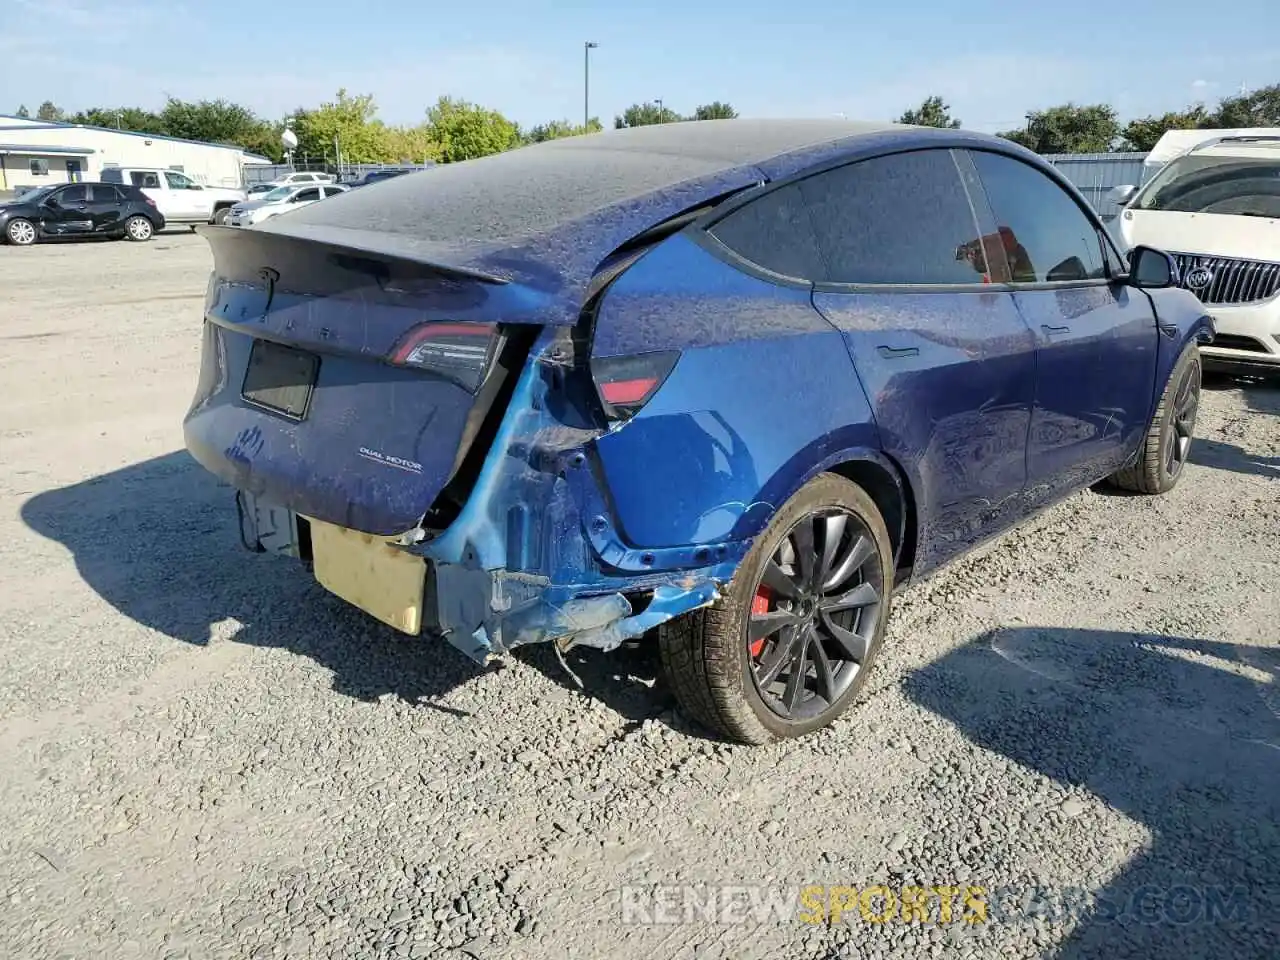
(204, 755)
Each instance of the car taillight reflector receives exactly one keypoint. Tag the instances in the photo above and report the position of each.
(460, 352)
(626, 384)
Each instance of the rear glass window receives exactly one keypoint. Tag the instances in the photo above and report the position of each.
(774, 232)
(899, 219)
(1048, 237)
(112, 175)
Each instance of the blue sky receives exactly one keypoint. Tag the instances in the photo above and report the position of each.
(992, 60)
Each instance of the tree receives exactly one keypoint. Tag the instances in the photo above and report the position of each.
(932, 112)
(351, 120)
(134, 119)
(23, 112)
(1258, 109)
(645, 114)
(1140, 135)
(715, 111)
(465, 130)
(49, 112)
(1069, 129)
(559, 129)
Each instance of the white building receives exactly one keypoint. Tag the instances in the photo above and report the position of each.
(35, 153)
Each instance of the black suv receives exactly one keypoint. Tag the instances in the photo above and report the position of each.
(78, 210)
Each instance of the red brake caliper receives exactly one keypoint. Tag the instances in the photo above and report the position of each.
(760, 605)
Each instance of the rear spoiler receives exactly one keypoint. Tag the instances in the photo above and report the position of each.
(243, 254)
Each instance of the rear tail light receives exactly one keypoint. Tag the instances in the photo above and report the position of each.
(460, 352)
(150, 202)
(626, 384)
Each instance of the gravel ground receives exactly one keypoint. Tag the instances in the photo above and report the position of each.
(207, 756)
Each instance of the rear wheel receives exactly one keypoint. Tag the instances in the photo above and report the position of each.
(1167, 445)
(138, 229)
(220, 217)
(21, 233)
(791, 644)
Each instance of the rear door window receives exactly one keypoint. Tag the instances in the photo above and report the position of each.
(76, 194)
(302, 196)
(148, 179)
(774, 232)
(902, 219)
(104, 193)
(1048, 238)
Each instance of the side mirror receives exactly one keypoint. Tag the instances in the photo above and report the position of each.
(1152, 269)
(1123, 194)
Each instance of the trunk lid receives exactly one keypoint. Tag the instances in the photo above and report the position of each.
(344, 386)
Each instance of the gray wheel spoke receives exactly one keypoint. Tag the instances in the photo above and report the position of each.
(777, 658)
(863, 595)
(796, 675)
(764, 625)
(806, 556)
(859, 552)
(832, 534)
(853, 645)
(779, 582)
(824, 674)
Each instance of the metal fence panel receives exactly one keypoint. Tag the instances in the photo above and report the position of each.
(1095, 174)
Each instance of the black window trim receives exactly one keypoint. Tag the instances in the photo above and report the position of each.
(1082, 205)
(699, 230)
(703, 235)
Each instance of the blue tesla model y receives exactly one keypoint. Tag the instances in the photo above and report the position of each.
(726, 384)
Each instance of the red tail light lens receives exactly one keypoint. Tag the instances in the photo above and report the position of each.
(460, 352)
(626, 384)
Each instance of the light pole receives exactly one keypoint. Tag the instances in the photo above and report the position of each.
(587, 47)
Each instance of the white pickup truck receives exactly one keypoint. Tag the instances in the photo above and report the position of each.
(179, 198)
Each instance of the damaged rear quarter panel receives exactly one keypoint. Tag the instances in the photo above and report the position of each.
(763, 392)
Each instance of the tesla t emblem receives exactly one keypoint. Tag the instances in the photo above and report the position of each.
(1199, 277)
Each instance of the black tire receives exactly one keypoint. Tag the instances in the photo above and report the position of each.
(21, 232)
(1167, 444)
(139, 229)
(220, 217)
(713, 667)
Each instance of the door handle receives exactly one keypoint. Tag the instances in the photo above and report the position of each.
(1051, 330)
(898, 353)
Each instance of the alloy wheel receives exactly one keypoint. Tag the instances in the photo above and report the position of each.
(22, 233)
(814, 614)
(139, 228)
(1186, 405)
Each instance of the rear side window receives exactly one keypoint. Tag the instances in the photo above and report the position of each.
(145, 178)
(104, 193)
(1048, 238)
(899, 219)
(312, 193)
(112, 175)
(774, 232)
(77, 194)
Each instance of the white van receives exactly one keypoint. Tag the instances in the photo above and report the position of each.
(1214, 203)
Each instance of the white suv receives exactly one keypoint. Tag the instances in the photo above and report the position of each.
(1216, 207)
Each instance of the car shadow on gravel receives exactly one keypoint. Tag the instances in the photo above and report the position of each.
(1228, 456)
(1180, 735)
(158, 541)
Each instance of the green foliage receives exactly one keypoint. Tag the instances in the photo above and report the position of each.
(122, 118)
(932, 112)
(23, 112)
(558, 129)
(465, 131)
(1258, 109)
(645, 114)
(1069, 128)
(714, 111)
(49, 111)
(350, 122)
(1142, 134)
